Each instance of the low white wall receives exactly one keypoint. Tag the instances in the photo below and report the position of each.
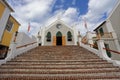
(22, 39)
(100, 54)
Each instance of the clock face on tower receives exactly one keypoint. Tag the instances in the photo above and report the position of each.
(58, 26)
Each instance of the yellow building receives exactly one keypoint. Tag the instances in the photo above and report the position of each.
(2, 9)
(8, 26)
(5, 11)
(11, 27)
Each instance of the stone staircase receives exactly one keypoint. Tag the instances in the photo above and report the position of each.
(59, 63)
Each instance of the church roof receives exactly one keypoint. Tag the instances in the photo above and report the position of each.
(56, 22)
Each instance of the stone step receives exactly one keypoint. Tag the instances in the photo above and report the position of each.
(60, 71)
(62, 78)
(108, 75)
(44, 58)
(59, 63)
(53, 58)
(57, 55)
(57, 66)
(54, 67)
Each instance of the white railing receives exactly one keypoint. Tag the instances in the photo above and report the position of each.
(101, 51)
(17, 50)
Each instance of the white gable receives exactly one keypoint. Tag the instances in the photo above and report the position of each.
(58, 22)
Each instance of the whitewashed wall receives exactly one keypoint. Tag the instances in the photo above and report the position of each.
(64, 29)
(22, 39)
(115, 20)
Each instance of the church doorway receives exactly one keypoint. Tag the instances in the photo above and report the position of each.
(59, 38)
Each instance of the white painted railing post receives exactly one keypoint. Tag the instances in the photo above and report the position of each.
(89, 37)
(102, 52)
(12, 51)
(79, 40)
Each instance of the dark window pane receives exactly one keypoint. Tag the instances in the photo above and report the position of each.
(48, 37)
(108, 52)
(69, 36)
(101, 31)
(9, 25)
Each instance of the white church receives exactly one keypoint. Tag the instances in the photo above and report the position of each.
(58, 33)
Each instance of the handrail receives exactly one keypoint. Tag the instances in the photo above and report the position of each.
(112, 50)
(106, 35)
(91, 45)
(25, 45)
(105, 49)
(3, 51)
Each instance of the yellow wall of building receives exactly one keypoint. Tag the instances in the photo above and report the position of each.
(2, 8)
(7, 36)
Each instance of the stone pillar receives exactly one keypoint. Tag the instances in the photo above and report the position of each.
(102, 52)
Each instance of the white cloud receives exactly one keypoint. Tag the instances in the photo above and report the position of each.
(69, 16)
(97, 9)
(38, 12)
(31, 11)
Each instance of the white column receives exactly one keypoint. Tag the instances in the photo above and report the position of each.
(75, 35)
(89, 37)
(79, 40)
(102, 52)
(43, 36)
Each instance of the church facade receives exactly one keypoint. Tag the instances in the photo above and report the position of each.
(58, 34)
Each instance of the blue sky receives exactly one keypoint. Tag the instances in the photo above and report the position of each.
(81, 5)
(40, 13)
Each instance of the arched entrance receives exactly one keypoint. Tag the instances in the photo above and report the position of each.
(59, 38)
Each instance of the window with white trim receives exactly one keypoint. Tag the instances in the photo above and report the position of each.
(9, 25)
(48, 37)
(69, 36)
